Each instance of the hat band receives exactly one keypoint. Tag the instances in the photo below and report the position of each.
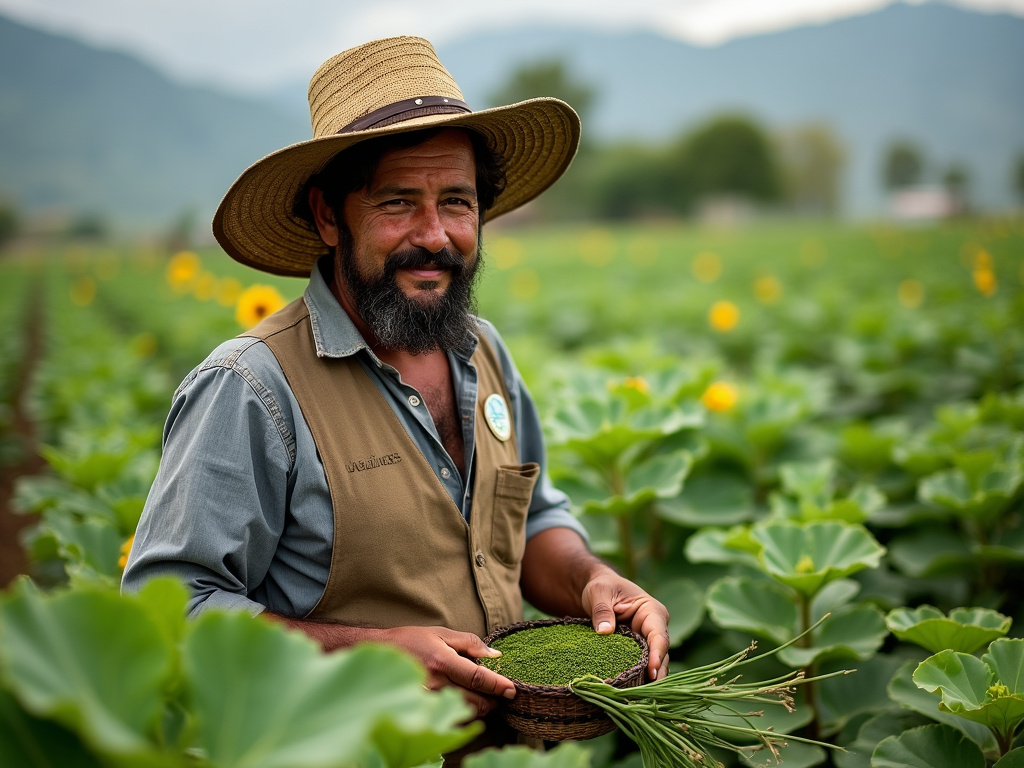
(406, 110)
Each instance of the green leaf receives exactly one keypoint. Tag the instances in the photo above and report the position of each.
(663, 474)
(1012, 759)
(808, 556)
(714, 545)
(267, 698)
(792, 755)
(906, 693)
(965, 629)
(929, 746)
(857, 632)
(715, 498)
(762, 607)
(685, 603)
(565, 755)
(931, 551)
(91, 660)
(989, 690)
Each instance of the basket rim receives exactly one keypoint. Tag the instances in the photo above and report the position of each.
(620, 680)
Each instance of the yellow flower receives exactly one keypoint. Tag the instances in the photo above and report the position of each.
(910, 294)
(721, 397)
(182, 270)
(126, 549)
(724, 316)
(707, 267)
(506, 253)
(985, 281)
(767, 289)
(638, 383)
(524, 284)
(256, 303)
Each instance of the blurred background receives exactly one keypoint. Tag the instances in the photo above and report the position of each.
(123, 118)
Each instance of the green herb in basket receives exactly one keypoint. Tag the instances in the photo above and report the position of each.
(560, 653)
(676, 720)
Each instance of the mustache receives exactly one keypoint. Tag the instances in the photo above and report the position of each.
(420, 258)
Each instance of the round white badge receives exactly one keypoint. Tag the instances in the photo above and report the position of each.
(496, 413)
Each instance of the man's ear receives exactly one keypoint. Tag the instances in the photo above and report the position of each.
(323, 215)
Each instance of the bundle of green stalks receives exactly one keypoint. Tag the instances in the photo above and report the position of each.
(677, 720)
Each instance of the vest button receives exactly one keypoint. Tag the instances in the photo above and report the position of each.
(445, 473)
(414, 401)
(480, 559)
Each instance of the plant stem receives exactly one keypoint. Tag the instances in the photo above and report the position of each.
(625, 523)
(813, 729)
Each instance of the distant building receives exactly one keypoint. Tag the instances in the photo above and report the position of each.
(923, 203)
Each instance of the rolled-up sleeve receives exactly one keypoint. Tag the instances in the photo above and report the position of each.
(215, 513)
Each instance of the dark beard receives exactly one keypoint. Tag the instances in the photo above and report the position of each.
(400, 322)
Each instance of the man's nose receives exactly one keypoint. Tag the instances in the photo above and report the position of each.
(428, 231)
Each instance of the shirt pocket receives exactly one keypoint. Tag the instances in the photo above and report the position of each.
(512, 493)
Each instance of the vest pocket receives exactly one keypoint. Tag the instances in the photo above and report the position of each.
(512, 494)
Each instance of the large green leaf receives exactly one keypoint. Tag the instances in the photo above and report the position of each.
(793, 755)
(1012, 759)
(714, 498)
(855, 632)
(906, 693)
(931, 551)
(758, 606)
(989, 690)
(715, 545)
(808, 556)
(929, 746)
(565, 755)
(965, 629)
(91, 660)
(267, 698)
(979, 495)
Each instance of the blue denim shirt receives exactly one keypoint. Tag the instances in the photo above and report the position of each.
(240, 509)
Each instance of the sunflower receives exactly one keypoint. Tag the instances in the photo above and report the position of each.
(255, 303)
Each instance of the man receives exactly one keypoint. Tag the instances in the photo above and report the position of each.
(366, 464)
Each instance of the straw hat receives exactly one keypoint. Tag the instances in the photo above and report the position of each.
(383, 87)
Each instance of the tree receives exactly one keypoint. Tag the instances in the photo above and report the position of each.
(812, 159)
(903, 166)
(956, 180)
(730, 155)
(547, 77)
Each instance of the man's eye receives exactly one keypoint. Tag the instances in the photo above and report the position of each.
(458, 201)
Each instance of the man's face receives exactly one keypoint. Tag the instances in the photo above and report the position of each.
(408, 250)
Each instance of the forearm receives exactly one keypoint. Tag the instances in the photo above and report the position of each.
(330, 637)
(557, 566)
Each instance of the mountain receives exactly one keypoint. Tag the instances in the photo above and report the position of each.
(90, 131)
(950, 80)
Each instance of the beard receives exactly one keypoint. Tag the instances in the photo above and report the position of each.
(413, 325)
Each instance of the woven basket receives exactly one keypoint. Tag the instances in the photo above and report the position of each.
(554, 712)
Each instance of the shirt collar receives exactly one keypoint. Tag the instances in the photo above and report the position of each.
(334, 333)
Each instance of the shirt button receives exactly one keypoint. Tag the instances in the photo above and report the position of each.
(445, 473)
(480, 559)
(413, 400)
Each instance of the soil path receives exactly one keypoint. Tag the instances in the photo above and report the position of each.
(12, 557)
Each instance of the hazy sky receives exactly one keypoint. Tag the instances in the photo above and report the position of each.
(258, 44)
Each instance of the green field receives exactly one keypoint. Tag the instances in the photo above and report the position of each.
(761, 425)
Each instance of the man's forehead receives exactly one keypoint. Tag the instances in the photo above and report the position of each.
(449, 152)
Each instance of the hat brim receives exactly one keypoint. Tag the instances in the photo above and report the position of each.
(255, 225)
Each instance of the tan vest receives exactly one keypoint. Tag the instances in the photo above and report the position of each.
(403, 553)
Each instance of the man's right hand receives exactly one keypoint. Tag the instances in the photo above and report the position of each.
(447, 656)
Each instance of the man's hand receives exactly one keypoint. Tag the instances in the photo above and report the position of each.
(561, 577)
(444, 653)
(610, 599)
